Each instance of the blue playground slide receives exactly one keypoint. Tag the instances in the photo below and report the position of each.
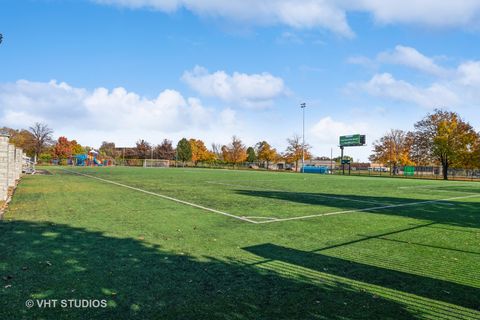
(81, 158)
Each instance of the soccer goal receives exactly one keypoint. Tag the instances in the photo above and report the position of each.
(156, 163)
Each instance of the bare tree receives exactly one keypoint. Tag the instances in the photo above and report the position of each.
(42, 137)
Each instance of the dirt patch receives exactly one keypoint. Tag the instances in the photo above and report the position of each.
(43, 172)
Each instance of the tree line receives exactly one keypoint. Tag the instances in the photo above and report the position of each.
(195, 151)
(441, 138)
(37, 141)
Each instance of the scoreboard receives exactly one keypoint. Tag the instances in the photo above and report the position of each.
(353, 140)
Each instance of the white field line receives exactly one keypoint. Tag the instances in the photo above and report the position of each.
(312, 195)
(264, 218)
(370, 209)
(166, 197)
(434, 186)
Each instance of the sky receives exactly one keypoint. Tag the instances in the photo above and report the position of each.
(124, 70)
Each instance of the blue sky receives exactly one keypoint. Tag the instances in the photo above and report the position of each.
(121, 70)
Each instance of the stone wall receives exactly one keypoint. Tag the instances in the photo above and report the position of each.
(3, 167)
(11, 164)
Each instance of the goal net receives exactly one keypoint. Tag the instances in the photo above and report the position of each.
(155, 163)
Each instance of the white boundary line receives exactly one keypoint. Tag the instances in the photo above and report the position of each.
(369, 209)
(165, 197)
(436, 186)
(310, 195)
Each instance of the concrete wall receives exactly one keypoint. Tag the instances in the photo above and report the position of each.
(3, 167)
(11, 164)
(18, 163)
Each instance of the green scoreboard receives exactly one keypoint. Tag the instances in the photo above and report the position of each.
(353, 140)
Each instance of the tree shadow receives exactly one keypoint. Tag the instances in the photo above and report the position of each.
(430, 288)
(142, 281)
(457, 213)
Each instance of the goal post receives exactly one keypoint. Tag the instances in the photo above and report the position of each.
(156, 163)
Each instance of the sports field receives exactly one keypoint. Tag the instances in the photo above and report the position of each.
(185, 243)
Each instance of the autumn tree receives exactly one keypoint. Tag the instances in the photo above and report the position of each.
(42, 137)
(108, 149)
(143, 149)
(76, 148)
(200, 153)
(445, 138)
(251, 155)
(62, 149)
(165, 150)
(266, 153)
(394, 149)
(23, 139)
(293, 153)
(235, 152)
(184, 151)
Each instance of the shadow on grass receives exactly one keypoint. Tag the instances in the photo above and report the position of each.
(142, 281)
(457, 213)
(421, 286)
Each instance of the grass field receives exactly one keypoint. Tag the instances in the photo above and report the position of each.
(220, 244)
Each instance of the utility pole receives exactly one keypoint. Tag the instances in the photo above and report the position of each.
(303, 106)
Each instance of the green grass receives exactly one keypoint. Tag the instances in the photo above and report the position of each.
(67, 236)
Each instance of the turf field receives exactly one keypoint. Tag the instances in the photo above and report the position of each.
(220, 244)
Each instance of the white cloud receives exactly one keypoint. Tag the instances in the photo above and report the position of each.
(328, 130)
(412, 58)
(326, 14)
(297, 14)
(453, 87)
(468, 74)
(250, 90)
(435, 13)
(110, 113)
(386, 86)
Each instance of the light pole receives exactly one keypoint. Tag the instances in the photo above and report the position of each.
(303, 106)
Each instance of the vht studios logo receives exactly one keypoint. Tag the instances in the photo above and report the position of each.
(66, 303)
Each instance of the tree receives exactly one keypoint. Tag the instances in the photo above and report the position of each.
(394, 149)
(108, 149)
(293, 153)
(143, 149)
(266, 153)
(21, 139)
(200, 153)
(62, 149)
(217, 152)
(235, 152)
(184, 151)
(165, 150)
(251, 155)
(445, 138)
(76, 148)
(42, 137)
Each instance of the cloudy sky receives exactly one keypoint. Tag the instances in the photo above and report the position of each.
(121, 70)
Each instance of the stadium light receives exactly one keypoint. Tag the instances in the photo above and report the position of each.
(303, 106)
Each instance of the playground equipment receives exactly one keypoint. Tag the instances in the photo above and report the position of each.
(90, 159)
